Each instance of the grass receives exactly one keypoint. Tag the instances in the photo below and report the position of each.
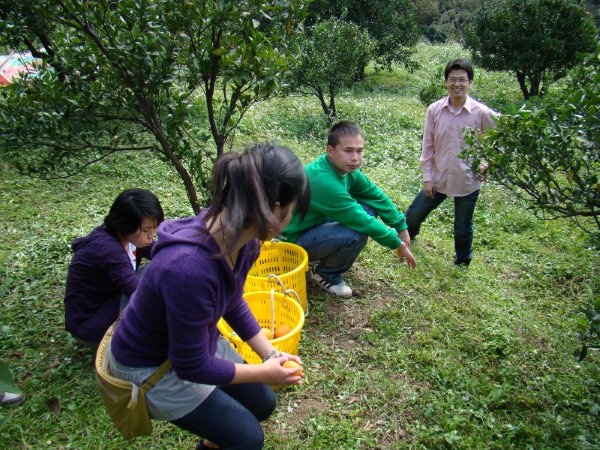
(430, 358)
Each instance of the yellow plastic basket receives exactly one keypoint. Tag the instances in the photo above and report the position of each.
(289, 262)
(271, 309)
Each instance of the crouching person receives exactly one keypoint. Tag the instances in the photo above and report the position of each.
(102, 274)
(197, 276)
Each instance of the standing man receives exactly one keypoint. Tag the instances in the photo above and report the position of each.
(343, 212)
(444, 173)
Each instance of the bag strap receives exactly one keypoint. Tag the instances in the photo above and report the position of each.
(164, 367)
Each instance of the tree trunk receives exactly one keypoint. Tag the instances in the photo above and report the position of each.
(188, 183)
(332, 107)
(534, 85)
(153, 124)
(321, 97)
(210, 83)
(220, 143)
(522, 85)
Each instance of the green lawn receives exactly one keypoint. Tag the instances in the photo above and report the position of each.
(431, 358)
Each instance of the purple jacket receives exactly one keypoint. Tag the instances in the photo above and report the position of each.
(184, 292)
(99, 274)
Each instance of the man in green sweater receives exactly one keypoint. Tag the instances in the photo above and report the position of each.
(346, 208)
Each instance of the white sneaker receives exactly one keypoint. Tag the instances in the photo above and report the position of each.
(341, 289)
(10, 399)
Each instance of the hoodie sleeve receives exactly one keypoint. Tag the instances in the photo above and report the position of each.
(101, 267)
(115, 263)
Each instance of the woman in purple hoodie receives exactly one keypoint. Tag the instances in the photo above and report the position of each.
(102, 274)
(197, 276)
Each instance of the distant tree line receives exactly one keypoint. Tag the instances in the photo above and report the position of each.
(441, 21)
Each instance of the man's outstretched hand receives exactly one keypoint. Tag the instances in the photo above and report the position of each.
(404, 254)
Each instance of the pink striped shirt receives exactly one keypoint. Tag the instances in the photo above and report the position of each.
(443, 141)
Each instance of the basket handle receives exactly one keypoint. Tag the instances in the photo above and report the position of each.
(287, 292)
(273, 313)
(230, 339)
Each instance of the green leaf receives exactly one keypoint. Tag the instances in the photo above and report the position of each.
(7, 383)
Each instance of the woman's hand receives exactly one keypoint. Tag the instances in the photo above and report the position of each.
(277, 374)
(271, 371)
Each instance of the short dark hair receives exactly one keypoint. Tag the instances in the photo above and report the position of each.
(130, 208)
(343, 128)
(248, 185)
(459, 64)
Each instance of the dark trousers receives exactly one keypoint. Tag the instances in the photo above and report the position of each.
(335, 246)
(231, 416)
(463, 221)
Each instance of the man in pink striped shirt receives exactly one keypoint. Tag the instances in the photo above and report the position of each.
(444, 173)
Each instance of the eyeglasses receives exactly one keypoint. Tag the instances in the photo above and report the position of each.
(453, 80)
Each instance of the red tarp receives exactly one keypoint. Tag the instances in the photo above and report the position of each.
(13, 65)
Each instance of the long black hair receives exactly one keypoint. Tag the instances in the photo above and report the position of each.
(248, 185)
(130, 208)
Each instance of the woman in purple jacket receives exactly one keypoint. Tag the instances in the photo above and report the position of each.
(102, 274)
(197, 276)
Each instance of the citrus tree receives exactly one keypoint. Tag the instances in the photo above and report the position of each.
(140, 75)
(549, 152)
(538, 40)
(391, 24)
(331, 56)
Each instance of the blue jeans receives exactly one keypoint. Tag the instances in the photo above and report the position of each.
(230, 416)
(463, 221)
(335, 246)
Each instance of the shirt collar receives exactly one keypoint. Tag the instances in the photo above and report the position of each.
(468, 104)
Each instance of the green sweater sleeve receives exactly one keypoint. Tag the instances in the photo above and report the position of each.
(339, 198)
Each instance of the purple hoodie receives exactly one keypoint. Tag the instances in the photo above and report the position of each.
(184, 292)
(99, 274)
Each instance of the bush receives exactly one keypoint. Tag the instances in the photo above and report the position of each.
(536, 39)
(434, 90)
(332, 56)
